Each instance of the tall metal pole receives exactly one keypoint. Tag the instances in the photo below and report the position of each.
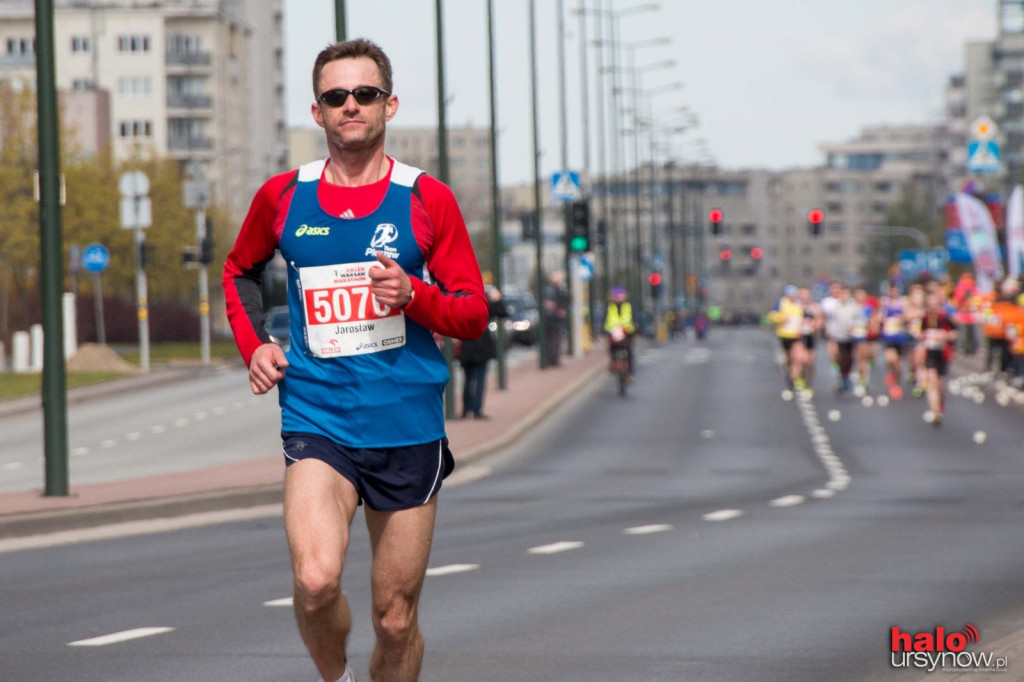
(498, 247)
(538, 226)
(443, 176)
(563, 131)
(54, 386)
(340, 29)
(585, 97)
(602, 137)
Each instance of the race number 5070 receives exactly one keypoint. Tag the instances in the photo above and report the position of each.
(343, 304)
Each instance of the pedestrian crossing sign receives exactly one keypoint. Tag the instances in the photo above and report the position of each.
(565, 186)
(983, 157)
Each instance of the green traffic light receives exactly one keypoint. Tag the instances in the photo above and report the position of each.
(578, 243)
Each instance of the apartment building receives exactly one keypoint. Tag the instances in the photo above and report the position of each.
(191, 80)
(991, 84)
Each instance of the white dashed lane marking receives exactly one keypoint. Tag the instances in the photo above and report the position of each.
(647, 530)
(723, 515)
(123, 636)
(452, 569)
(787, 501)
(287, 601)
(556, 547)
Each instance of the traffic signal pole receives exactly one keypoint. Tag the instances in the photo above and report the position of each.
(54, 380)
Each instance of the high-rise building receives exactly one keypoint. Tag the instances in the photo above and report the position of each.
(191, 80)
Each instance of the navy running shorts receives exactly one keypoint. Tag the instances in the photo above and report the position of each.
(387, 479)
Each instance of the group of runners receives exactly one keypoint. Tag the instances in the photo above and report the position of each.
(914, 334)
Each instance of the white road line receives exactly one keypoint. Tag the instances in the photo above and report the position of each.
(723, 515)
(287, 601)
(646, 530)
(78, 452)
(822, 493)
(180, 422)
(108, 443)
(556, 547)
(13, 466)
(787, 501)
(134, 435)
(200, 416)
(217, 411)
(118, 637)
(451, 569)
(157, 428)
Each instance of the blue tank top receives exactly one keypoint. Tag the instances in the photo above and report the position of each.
(360, 374)
(893, 329)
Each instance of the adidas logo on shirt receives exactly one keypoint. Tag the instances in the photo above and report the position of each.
(347, 214)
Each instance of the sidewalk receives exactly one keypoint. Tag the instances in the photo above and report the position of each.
(530, 396)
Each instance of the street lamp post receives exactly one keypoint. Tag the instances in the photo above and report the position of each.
(498, 243)
(538, 226)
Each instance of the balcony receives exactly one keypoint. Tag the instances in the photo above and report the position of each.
(182, 101)
(189, 59)
(188, 143)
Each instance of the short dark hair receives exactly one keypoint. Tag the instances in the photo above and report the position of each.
(351, 49)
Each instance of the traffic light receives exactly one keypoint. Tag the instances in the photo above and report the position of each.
(190, 256)
(206, 249)
(815, 218)
(145, 254)
(715, 218)
(725, 255)
(654, 279)
(756, 254)
(579, 227)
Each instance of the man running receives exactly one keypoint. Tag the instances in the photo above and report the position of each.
(894, 337)
(361, 388)
(813, 321)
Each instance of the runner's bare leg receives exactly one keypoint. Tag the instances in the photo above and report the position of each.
(319, 505)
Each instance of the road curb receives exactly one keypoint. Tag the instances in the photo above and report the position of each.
(102, 514)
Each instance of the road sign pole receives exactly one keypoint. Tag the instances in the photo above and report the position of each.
(204, 291)
(141, 294)
(97, 288)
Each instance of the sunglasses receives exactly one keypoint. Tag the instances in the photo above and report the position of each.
(364, 94)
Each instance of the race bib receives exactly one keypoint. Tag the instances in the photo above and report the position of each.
(893, 326)
(342, 317)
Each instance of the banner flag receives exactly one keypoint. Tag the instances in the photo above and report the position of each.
(980, 232)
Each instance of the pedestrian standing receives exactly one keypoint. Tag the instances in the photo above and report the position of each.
(361, 388)
(556, 314)
(475, 355)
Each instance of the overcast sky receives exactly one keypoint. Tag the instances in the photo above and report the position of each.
(769, 79)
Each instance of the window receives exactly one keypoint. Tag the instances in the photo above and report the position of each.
(137, 86)
(133, 43)
(835, 247)
(21, 46)
(136, 128)
(182, 44)
(83, 84)
(81, 44)
(748, 229)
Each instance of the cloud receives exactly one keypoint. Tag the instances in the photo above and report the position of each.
(909, 55)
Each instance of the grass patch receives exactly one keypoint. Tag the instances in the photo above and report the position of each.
(21, 385)
(181, 351)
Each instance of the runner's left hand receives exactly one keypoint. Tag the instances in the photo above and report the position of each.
(391, 284)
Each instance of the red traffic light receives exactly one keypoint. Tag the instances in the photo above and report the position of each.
(725, 255)
(757, 253)
(715, 215)
(654, 278)
(815, 216)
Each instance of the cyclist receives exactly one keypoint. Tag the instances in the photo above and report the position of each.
(618, 323)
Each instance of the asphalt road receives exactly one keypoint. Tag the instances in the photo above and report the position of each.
(703, 528)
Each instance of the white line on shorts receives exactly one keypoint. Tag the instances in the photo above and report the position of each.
(117, 637)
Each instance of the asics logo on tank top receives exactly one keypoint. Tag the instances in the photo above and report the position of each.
(382, 236)
(309, 231)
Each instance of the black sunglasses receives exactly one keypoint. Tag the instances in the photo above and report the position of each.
(364, 94)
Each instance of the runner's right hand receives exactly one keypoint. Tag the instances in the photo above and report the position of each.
(266, 367)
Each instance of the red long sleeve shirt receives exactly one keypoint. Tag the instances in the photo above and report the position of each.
(452, 305)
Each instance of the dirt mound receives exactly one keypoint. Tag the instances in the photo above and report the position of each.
(92, 357)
